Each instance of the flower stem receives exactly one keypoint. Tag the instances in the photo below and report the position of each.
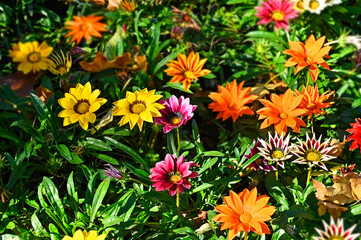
(308, 176)
(308, 79)
(178, 139)
(312, 131)
(245, 235)
(135, 180)
(277, 171)
(84, 7)
(178, 200)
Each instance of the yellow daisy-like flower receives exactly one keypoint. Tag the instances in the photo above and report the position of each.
(59, 64)
(14, 49)
(31, 56)
(84, 235)
(138, 107)
(80, 104)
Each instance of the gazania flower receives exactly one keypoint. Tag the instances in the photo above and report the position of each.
(231, 101)
(315, 6)
(276, 150)
(355, 135)
(245, 212)
(127, 5)
(176, 113)
(138, 107)
(31, 56)
(84, 235)
(299, 5)
(172, 174)
(80, 104)
(336, 231)
(308, 55)
(312, 102)
(313, 152)
(186, 69)
(282, 111)
(333, 2)
(185, 19)
(261, 162)
(112, 172)
(14, 49)
(84, 27)
(59, 65)
(277, 11)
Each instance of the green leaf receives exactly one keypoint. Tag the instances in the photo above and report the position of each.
(201, 188)
(64, 151)
(196, 137)
(105, 158)
(98, 198)
(129, 151)
(73, 195)
(207, 164)
(278, 192)
(96, 144)
(39, 229)
(139, 173)
(51, 192)
(44, 113)
(249, 161)
(54, 233)
(127, 207)
(268, 35)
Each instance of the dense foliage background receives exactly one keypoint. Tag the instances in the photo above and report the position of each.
(52, 181)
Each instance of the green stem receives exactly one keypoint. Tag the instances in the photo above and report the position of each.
(308, 79)
(312, 131)
(84, 7)
(308, 176)
(178, 139)
(245, 235)
(276, 171)
(135, 180)
(178, 200)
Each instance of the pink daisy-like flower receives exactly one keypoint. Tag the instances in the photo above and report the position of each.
(177, 112)
(172, 174)
(313, 152)
(259, 163)
(276, 150)
(336, 231)
(277, 11)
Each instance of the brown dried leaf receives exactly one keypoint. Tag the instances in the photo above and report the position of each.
(333, 209)
(356, 187)
(20, 83)
(43, 93)
(141, 63)
(113, 5)
(101, 63)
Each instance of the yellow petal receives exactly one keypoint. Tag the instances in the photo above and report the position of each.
(146, 116)
(92, 234)
(83, 122)
(66, 113)
(78, 235)
(66, 103)
(90, 117)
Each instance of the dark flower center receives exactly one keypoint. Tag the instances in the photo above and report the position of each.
(82, 106)
(175, 118)
(137, 107)
(34, 57)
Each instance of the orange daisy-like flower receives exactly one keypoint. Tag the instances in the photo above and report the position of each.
(283, 112)
(312, 102)
(84, 27)
(308, 55)
(245, 212)
(186, 69)
(231, 101)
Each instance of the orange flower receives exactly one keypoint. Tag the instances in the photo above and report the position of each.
(231, 101)
(84, 27)
(312, 102)
(308, 55)
(186, 70)
(245, 212)
(282, 111)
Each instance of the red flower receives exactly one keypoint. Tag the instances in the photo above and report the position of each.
(172, 174)
(355, 134)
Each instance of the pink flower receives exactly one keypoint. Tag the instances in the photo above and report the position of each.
(172, 174)
(278, 11)
(176, 113)
(261, 162)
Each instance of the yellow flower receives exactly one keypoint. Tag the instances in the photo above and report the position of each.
(80, 104)
(91, 235)
(14, 50)
(138, 107)
(31, 56)
(59, 65)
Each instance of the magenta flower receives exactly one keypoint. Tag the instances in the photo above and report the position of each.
(176, 113)
(259, 163)
(172, 174)
(277, 11)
